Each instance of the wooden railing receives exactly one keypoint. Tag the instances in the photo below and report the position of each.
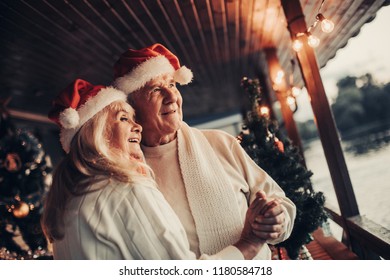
(367, 239)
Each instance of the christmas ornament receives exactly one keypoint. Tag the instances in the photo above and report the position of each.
(12, 162)
(21, 210)
(279, 144)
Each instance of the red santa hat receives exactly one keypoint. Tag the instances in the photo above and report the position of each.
(78, 103)
(135, 68)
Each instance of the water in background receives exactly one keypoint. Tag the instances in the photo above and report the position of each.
(370, 176)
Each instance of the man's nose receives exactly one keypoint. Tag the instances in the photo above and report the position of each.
(170, 95)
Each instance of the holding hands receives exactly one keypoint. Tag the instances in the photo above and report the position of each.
(264, 222)
(269, 223)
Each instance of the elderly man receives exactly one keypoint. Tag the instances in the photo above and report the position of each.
(205, 175)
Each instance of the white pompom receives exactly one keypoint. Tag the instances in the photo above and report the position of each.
(183, 75)
(69, 118)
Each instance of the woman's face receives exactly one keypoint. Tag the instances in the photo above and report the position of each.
(126, 133)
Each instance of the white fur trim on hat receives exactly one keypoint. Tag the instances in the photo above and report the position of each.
(91, 107)
(183, 75)
(148, 70)
(69, 118)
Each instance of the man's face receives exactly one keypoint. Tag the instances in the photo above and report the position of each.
(158, 107)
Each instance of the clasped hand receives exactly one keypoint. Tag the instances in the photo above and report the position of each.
(264, 220)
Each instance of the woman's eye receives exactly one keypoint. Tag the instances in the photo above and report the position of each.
(171, 85)
(124, 119)
(155, 90)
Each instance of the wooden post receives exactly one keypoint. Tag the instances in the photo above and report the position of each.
(323, 115)
(281, 90)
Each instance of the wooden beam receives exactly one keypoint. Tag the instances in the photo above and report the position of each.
(30, 116)
(323, 115)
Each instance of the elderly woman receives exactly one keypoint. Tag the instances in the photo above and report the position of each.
(103, 203)
(205, 175)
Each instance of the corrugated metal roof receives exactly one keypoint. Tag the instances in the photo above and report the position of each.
(46, 43)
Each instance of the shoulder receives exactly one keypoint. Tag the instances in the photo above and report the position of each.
(216, 133)
(128, 191)
(221, 140)
(114, 194)
(216, 136)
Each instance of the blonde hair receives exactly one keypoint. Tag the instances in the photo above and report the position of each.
(91, 159)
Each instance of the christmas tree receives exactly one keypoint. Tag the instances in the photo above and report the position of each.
(24, 179)
(274, 152)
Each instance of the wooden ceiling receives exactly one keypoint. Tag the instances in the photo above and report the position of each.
(45, 44)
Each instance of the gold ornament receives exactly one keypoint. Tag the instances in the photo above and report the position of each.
(21, 210)
(12, 162)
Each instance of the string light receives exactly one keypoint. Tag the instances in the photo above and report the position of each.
(290, 100)
(295, 91)
(279, 77)
(326, 25)
(264, 111)
(297, 45)
(313, 41)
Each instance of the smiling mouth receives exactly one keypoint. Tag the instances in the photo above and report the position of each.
(133, 140)
(168, 113)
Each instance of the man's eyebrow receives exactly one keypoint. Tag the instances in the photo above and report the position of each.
(159, 83)
(152, 85)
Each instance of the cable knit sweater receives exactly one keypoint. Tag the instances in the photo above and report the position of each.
(209, 180)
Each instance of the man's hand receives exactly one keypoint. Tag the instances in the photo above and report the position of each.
(269, 223)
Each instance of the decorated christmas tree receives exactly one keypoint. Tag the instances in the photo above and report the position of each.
(24, 178)
(274, 152)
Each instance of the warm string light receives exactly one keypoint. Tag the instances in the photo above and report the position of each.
(279, 77)
(294, 91)
(313, 41)
(278, 80)
(326, 24)
(264, 111)
(291, 93)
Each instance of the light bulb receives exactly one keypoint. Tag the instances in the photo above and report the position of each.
(264, 111)
(297, 45)
(279, 77)
(326, 24)
(295, 91)
(313, 41)
(290, 100)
